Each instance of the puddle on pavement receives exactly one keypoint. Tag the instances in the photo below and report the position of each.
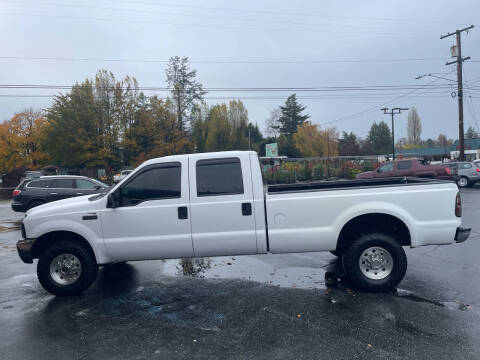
(452, 305)
(10, 225)
(246, 268)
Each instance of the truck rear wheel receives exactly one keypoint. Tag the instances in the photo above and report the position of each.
(66, 268)
(375, 262)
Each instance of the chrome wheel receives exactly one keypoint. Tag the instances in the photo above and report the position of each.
(376, 263)
(65, 269)
(462, 182)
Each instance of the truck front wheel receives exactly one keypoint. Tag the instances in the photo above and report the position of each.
(66, 268)
(375, 262)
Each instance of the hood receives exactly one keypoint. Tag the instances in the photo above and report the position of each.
(70, 205)
(366, 175)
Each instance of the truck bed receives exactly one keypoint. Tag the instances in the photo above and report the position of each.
(344, 184)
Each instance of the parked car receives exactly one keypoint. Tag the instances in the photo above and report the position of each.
(34, 192)
(122, 175)
(215, 204)
(468, 173)
(411, 168)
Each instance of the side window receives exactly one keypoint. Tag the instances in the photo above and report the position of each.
(219, 177)
(465, 166)
(41, 184)
(386, 167)
(85, 184)
(404, 165)
(156, 183)
(63, 184)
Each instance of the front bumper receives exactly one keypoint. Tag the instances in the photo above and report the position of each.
(462, 234)
(24, 248)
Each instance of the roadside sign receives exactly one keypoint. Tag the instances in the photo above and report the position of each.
(271, 150)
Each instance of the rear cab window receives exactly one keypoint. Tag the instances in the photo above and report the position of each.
(219, 177)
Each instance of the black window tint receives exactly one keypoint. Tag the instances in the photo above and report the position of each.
(63, 184)
(219, 177)
(42, 184)
(159, 182)
(404, 165)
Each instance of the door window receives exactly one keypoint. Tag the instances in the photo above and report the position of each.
(156, 183)
(404, 165)
(63, 184)
(85, 184)
(465, 166)
(386, 167)
(219, 177)
(41, 184)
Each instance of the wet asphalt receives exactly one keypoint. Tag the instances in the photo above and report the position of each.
(247, 307)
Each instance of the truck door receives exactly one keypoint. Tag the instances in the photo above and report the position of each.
(61, 189)
(385, 170)
(221, 204)
(152, 220)
(404, 168)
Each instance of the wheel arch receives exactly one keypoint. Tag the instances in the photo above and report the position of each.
(49, 238)
(371, 222)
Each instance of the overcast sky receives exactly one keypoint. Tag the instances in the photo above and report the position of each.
(321, 44)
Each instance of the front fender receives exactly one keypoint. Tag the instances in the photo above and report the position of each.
(96, 242)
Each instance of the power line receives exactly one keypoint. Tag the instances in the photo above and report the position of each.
(376, 107)
(289, 13)
(319, 61)
(252, 89)
(242, 28)
(163, 13)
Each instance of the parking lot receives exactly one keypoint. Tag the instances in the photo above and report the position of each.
(269, 306)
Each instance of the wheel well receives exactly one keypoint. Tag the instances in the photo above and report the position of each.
(48, 239)
(35, 200)
(377, 222)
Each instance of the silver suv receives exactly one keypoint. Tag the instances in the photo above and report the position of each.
(468, 173)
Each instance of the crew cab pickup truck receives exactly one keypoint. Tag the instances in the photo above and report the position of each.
(411, 168)
(215, 204)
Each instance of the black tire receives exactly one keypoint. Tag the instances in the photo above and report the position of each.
(88, 265)
(463, 182)
(351, 262)
(35, 203)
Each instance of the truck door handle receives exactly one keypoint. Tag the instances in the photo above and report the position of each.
(79, 193)
(246, 209)
(182, 213)
(53, 193)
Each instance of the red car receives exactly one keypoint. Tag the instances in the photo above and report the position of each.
(410, 168)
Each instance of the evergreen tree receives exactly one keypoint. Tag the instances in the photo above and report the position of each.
(471, 133)
(380, 138)
(291, 116)
(348, 144)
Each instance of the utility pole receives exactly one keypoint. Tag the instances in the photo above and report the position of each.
(393, 112)
(457, 52)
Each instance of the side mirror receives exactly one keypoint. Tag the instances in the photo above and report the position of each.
(113, 200)
(97, 187)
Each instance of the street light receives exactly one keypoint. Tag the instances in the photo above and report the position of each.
(392, 112)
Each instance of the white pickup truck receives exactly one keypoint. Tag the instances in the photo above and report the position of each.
(215, 204)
